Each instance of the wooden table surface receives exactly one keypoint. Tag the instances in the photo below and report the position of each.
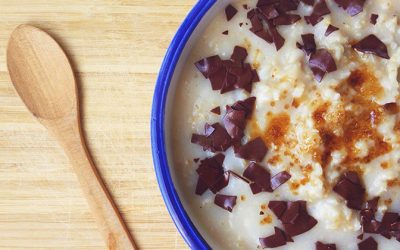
(116, 47)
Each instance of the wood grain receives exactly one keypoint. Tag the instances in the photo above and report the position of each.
(116, 47)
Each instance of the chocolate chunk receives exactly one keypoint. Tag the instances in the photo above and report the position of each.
(240, 24)
(284, 6)
(211, 175)
(265, 35)
(372, 45)
(216, 110)
(245, 6)
(294, 216)
(321, 62)
(372, 204)
(196, 160)
(368, 222)
(254, 150)
(268, 12)
(373, 19)
(215, 139)
(226, 202)
(370, 225)
(350, 188)
(209, 65)
(227, 75)
(236, 116)
(221, 182)
(276, 240)
(330, 30)
(226, 32)
(259, 176)
(279, 179)
(352, 7)
(256, 24)
(238, 176)
(313, 20)
(286, 19)
(320, 10)
(368, 244)
(239, 54)
(308, 2)
(360, 237)
(278, 207)
(388, 220)
(201, 187)
(321, 246)
(391, 108)
(309, 45)
(230, 12)
(267, 2)
(278, 40)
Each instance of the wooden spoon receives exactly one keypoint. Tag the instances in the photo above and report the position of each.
(43, 77)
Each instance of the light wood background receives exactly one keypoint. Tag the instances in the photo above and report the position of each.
(116, 47)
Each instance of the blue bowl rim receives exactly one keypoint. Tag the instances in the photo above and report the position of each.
(165, 183)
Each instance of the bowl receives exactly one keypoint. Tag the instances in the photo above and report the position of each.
(194, 24)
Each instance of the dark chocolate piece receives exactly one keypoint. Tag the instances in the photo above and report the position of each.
(260, 177)
(254, 150)
(239, 54)
(238, 176)
(309, 45)
(294, 216)
(284, 6)
(215, 138)
(372, 204)
(201, 187)
(322, 246)
(216, 110)
(320, 10)
(388, 220)
(278, 40)
(226, 202)
(279, 179)
(227, 75)
(212, 174)
(278, 207)
(308, 2)
(330, 30)
(350, 188)
(372, 45)
(368, 244)
(268, 12)
(226, 32)
(276, 240)
(352, 7)
(265, 35)
(286, 19)
(230, 12)
(321, 62)
(373, 18)
(209, 65)
(267, 2)
(236, 116)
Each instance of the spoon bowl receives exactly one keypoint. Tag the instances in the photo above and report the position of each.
(28, 49)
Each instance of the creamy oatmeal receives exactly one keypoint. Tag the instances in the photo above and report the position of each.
(286, 126)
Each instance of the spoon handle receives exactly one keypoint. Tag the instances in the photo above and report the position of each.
(114, 230)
